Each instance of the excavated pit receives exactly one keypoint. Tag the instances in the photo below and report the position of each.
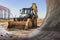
(49, 30)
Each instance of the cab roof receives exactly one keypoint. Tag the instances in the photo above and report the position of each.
(27, 9)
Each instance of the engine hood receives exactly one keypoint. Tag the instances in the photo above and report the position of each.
(23, 16)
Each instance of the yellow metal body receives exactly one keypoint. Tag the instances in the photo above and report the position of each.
(27, 23)
(17, 23)
(34, 7)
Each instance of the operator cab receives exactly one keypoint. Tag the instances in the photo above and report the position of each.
(28, 11)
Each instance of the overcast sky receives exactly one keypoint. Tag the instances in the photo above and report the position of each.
(16, 5)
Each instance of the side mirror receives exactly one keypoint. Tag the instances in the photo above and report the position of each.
(20, 10)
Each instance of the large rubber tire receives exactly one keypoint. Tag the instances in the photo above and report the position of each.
(35, 22)
(9, 26)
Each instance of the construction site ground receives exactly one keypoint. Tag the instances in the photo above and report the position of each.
(16, 31)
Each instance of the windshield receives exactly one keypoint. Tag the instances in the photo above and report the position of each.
(27, 11)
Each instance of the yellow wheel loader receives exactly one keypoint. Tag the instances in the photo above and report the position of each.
(27, 19)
